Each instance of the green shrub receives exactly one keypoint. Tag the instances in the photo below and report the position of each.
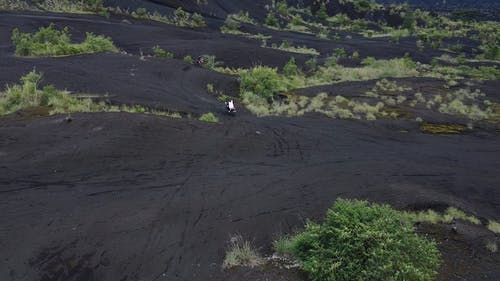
(492, 52)
(311, 64)
(181, 17)
(141, 13)
(49, 41)
(331, 61)
(290, 68)
(159, 52)
(362, 241)
(188, 59)
(282, 8)
(322, 13)
(197, 20)
(271, 20)
(368, 61)
(262, 81)
(340, 52)
(230, 24)
(209, 117)
(494, 226)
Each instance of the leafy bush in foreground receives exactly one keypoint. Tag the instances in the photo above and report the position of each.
(362, 241)
(49, 41)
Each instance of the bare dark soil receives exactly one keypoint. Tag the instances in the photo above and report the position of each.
(115, 196)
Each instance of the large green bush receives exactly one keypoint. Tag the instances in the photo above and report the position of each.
(362, 241)
(262, 81)
(49, 41)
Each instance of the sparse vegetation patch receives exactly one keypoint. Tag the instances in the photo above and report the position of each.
(29, 94)
(49, 41)
(442, 128)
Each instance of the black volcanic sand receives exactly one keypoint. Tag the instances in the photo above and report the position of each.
(115, 196)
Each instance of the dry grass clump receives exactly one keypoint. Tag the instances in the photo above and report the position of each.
(492, 246)
(241, 253)
(442, 128)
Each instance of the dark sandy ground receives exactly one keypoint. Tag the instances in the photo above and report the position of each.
(115, 196)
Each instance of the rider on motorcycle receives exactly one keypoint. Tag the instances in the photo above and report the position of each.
(230, 106)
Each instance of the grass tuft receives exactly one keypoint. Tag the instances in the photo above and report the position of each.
(492, 246)
(241, 253)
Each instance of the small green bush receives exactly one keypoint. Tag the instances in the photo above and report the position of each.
(494, 226)
(197, 20)
(49, 41)
(362, 241)
(290, 68)
(209, 117)
(282, 8)
(311, 64)
(141, 13)
(230, 24)
(322, 12)
(188, 59)
(159, 52)
(262, 81)
(271, 20)
(340, 52)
